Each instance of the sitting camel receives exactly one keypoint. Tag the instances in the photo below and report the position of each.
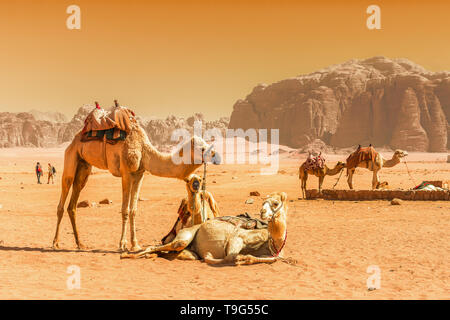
(370, 159)
(221, 242)
(191, 208)
(129, 159)
(318, 172)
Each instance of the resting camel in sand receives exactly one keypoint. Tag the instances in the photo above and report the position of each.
(128, 159)
(191, 208)
(369, 159)
(220, 242)
(318, 172)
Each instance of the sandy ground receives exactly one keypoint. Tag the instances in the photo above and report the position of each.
(334, 242)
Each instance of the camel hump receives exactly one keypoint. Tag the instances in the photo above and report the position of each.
(361, 155)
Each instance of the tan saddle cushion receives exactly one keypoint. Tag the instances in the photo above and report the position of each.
(100, 119)
(361, 155)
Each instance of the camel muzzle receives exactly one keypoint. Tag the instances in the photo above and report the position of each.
(196, 185)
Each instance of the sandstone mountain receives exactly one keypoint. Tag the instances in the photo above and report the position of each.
(23, 130)
(49, 116)
(392, 103)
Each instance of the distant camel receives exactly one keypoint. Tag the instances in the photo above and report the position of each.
(128, 159)
(369, 159)
(318, 172)
(221, 242)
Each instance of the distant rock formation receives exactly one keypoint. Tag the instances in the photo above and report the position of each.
(24, 130)
(160, 131)
(49, 116)
(386, 102)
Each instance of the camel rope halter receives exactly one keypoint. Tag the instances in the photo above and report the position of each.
(205, 154)
(409, 173)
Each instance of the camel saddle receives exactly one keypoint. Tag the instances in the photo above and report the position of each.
(111, 126)
(361, 155)
(313, 163)
(244, 221)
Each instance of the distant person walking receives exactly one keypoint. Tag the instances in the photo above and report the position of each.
(51, 173)
(39, 172)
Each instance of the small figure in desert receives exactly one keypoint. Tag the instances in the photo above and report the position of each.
(221, 242)
(39, 172)
(114, 141)
(372, 160)
(51, 173)
(316, 166)
(196, 208)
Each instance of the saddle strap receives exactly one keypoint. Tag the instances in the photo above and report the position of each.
(104, 152)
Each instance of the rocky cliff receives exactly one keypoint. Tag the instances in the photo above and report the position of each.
(387, 102)
(25, 130)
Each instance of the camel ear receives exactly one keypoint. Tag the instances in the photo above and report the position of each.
(283, 196)
(186, 179)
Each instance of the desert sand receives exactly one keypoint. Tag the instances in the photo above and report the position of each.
(334, 241)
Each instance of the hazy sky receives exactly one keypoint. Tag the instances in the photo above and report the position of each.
(180, 57)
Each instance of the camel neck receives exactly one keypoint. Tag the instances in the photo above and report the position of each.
(391, 162)
(333, 171)
(161, 164)
(278, 232)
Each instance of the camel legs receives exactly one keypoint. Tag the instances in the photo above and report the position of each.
(70, 168)
(79, 182)
(137, 179)
(375, 179)
(303, 182)
(249, 259)
(235, 246)
(181, 241)
(321, 178)
(126, 190)
(350, 178)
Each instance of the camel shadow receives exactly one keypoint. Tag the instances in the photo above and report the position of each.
(49, 249)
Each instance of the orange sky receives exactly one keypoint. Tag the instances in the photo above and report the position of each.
(179, 57)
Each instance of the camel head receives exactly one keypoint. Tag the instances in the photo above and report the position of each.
(399, 154)
(200, 151)
(193, 183)
(274, 205)
(340, 165)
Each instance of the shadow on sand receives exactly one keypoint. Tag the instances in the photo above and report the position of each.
(49, 249)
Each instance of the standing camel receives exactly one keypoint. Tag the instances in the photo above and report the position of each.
(369, 159)
(128, 159)
(221, 242)
(318, 172)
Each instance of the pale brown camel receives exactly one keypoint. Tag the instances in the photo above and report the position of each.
(128, 159)
(190, 212)
(220, 242)
(318, 172)
(374, 166)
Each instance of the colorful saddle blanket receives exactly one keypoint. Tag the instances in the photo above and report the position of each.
(316, 162)
(112, 135)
